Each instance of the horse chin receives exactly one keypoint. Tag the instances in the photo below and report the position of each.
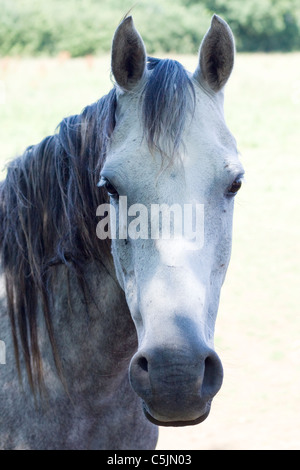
(175, 423)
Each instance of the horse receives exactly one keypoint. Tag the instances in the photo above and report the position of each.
(109, 338)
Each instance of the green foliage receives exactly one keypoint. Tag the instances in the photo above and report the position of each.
(262, 25)
(35, 27)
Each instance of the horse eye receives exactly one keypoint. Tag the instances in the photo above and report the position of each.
(105, 183)
(236, 185)
(111, 189)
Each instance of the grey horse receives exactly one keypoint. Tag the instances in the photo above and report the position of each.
(108, 329)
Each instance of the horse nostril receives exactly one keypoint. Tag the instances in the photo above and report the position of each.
(143, 363)
(139, 375)
(213, 375)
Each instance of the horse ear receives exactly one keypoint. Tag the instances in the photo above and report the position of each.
(128, 60)
(216, 56)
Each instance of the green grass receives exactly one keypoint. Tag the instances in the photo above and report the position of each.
(258, 328)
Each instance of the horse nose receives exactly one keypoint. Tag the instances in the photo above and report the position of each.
(176, 386)
(149, 367)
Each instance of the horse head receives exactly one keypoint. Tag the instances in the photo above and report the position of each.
(171, 156)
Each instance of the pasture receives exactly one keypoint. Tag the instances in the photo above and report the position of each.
(258, 326)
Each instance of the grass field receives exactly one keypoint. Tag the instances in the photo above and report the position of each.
(258, 327)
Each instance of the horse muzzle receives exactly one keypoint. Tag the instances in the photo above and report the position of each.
(177, 388)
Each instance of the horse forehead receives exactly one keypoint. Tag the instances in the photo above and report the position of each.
(205, 137)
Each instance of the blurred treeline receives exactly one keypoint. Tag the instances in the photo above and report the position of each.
(81, 27)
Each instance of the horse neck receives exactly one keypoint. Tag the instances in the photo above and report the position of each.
(93, 330)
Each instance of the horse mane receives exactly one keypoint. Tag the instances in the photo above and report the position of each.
(49, 198)
(48, 202)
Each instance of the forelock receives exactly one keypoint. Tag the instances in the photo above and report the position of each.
(168, 98)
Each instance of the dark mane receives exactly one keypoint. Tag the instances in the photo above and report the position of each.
(49, 198)
(47, 203)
